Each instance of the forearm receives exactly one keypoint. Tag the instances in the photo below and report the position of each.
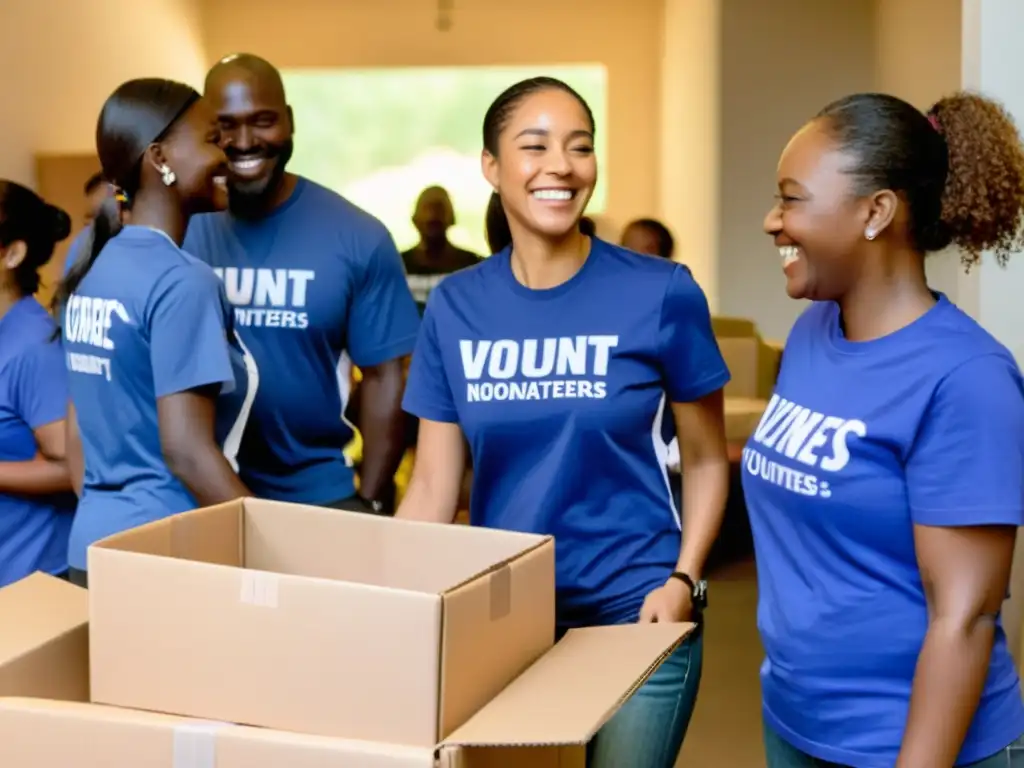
(36, 477)
(427, 502)
(705, 489)
(73, 451)
(382, 424)
(76, 466)
(948, 682)
(206, 473)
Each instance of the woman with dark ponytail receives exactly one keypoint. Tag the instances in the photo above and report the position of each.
(36, 502)
(559, 358)
(160, 385)
(885, 483)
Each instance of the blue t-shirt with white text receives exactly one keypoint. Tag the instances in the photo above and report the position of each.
(316, 278)
(860, 443)
(33, 394)
(561, 394)
(146, 322)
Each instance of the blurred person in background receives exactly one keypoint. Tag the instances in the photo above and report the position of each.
(649, 236)
(558, 357)
(433, 257)
(160, 385)
(96, 191)
(36, 499)
(316, 282)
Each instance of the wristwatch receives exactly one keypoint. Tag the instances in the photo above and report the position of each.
(698, 590)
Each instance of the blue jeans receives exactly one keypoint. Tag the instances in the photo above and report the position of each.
(781, 754)
(649, 729)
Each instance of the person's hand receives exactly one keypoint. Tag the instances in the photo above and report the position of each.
(672, 602)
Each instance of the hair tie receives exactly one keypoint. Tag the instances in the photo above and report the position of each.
(118, 194)
(934, 120)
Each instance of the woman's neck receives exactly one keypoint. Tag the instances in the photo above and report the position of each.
(8, 298)
(540, 263)
(162, 212)
(886, 300)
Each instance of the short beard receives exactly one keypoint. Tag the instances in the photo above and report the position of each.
(251, 199)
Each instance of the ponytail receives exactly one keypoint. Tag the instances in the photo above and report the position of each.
(499, 236)
(983, 200)
(105, 226)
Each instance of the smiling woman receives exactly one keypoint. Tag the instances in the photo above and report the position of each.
(881, 573)
(36, 505)
(562, 402)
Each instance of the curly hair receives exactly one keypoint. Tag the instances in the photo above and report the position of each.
(983, 201)
(959, 168)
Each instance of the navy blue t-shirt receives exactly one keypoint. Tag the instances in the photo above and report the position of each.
(315, 278)
(147, 321)
(561, 394)
(861, 442)
(33, 393)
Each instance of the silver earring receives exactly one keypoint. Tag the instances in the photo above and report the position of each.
(869, 235)
(167, 175)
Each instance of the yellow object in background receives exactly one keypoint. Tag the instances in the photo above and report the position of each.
(354, 453)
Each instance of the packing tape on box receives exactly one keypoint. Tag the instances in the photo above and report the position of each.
(501, 592)
(195, 744)
(260, 588)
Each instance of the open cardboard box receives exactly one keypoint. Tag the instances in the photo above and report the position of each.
(44, 639)
(316, 621)
(542, 720)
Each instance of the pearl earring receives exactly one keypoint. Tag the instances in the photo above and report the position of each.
(869, 235)
(167, 175)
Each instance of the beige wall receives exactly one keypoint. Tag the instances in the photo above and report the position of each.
(63, 58)
(622, 35)
(782, 61)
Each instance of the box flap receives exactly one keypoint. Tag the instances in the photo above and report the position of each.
(36, 610)
(574, 689)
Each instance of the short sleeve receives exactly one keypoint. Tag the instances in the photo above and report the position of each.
(383, 320)
(428, 394)
(966, 466)
(692, 363)
(41, 385)
(188, 329)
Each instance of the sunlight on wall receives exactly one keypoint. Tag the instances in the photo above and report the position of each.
(380, 136)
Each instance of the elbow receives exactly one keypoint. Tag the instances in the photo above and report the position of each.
(185, 458)
(964, 627)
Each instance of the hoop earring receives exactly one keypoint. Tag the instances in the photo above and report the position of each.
(167, 175)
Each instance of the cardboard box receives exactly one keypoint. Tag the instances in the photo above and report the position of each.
(36, 733)
(44, 639)
(317, 621)
(542, 720)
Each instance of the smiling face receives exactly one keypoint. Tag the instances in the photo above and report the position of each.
(819, 224)
(256, 131)
(545, 169)
(192, 150)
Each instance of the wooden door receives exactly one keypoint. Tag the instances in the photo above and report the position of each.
(60, 180)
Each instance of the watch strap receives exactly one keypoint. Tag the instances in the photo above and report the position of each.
(698, 589)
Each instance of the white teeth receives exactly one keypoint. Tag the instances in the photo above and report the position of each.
(789, 254)
(247, 165)
(553, 194)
